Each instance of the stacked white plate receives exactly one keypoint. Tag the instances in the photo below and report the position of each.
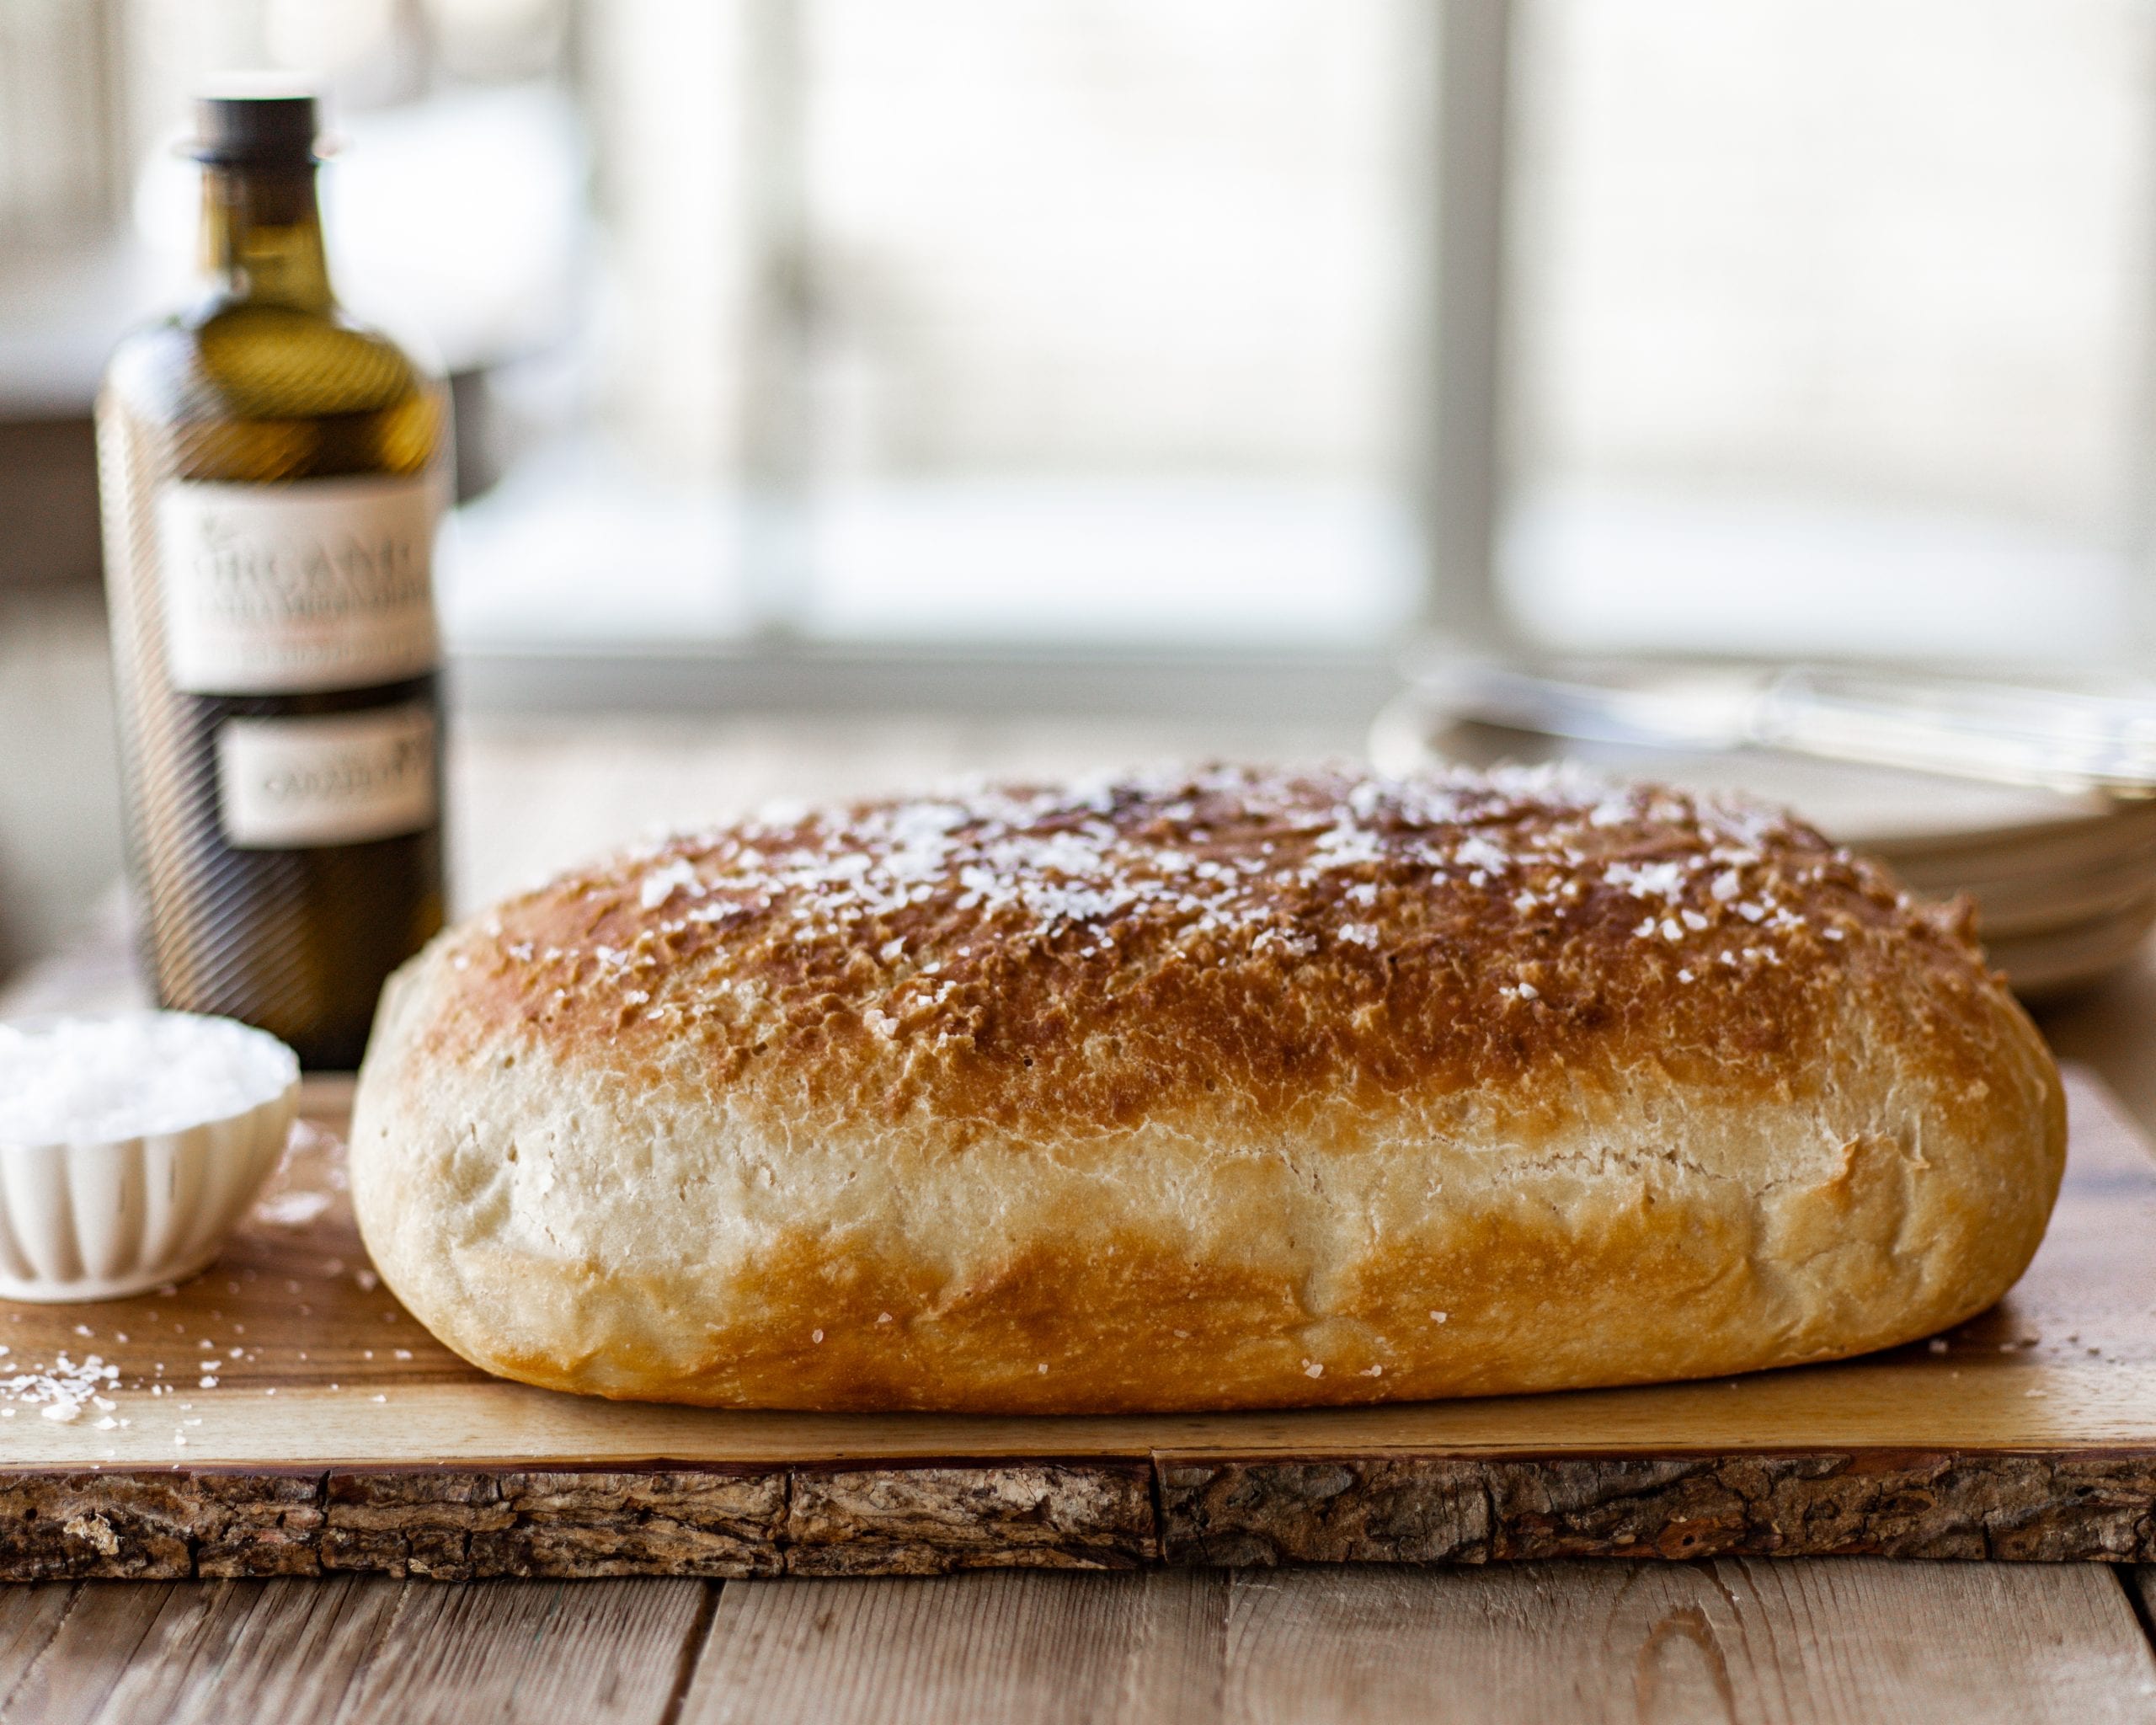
(2064, 882)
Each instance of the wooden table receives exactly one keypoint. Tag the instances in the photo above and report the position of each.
(1812, 1639)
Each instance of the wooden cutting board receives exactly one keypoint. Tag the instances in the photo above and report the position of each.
(282, 1415)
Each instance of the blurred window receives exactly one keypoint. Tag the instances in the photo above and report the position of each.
(1120, 321)
(965, 320)
(1830, 324)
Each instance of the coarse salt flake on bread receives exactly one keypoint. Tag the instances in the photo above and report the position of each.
(1228, 1088)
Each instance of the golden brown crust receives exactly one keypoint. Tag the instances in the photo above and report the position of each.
(1193, 1091)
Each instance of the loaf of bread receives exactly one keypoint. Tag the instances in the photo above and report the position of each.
(1226, 1089)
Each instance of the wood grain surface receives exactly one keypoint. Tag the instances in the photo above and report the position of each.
(1831, 1639)
(1841, 1640)
(281, 1415)
(350, 1648)
(1045, 1648)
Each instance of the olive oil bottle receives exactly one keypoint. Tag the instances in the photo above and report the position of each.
(272, 475)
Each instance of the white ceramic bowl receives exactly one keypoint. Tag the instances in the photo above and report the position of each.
(129, 1145)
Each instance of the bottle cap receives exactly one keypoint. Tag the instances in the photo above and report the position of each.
(261, 121)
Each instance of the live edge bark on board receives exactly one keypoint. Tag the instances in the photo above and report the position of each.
(914, 1519)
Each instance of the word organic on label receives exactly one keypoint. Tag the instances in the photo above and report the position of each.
(323, 584)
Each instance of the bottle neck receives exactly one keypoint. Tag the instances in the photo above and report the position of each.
(262, 236)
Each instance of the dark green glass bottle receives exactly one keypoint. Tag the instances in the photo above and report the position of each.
(272, 475)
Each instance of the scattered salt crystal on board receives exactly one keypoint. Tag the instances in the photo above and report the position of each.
(292, 1210)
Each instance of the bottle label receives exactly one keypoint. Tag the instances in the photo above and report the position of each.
(319, 584)
(335, 779)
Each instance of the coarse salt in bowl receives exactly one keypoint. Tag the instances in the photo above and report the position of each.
(130, 1144)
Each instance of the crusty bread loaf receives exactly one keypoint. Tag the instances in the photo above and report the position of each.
(1237, 1089)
